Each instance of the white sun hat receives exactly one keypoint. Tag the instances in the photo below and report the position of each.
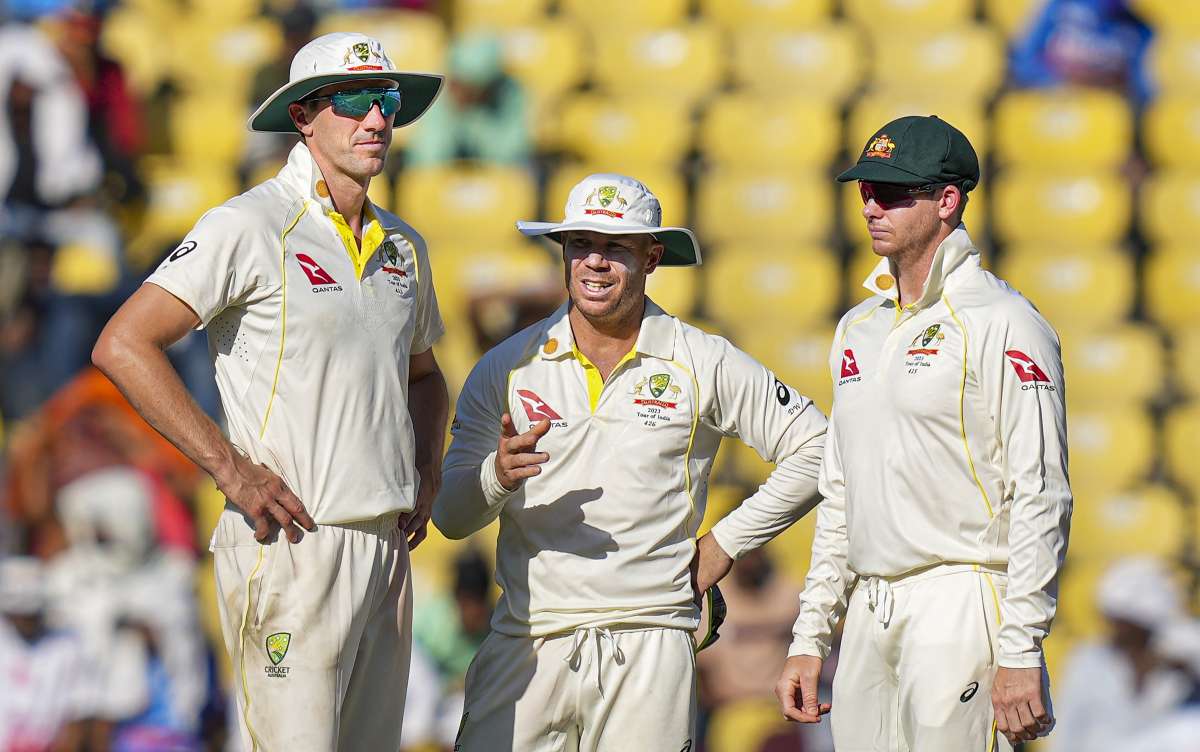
(619, 205)
(337, 57)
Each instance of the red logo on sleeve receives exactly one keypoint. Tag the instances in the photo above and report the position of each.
(849, 364)
(535, 407)
(1027, 370)
(316, 274)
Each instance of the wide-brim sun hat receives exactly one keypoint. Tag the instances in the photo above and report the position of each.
(336, 58)
(619, 205)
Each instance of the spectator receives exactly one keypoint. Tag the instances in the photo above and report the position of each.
(1178, 646)
(483, 119)
(1086, 43)
(49, 688)
(1116, 688)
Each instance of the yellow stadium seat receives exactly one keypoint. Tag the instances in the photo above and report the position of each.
(1115, 366)
(414, 41)
(666, 184)
(792, 549)
(645, 130)
(1072, 128)
(1182, 433)
(870, 111)
(547, 58)
(1109, 448)
(1174, 61)
(464, 268)
(753, 282)
(137, 40)
(1061, 207)
(1111, 523)
(675, 290)
(178, 195)
(966, 60)
(1171, 130)
(626, 13)
(1169, 206)
(769, 133)
(208, 129)
(825, 62)
(493, 15)
(799, 356)
(1074, 288)
(737, 205)
(774, 14)
(1077, 613)
(1168, 15)
(466, 202)
(681, 62)
(881, 17)
(1186, 346)
(855, 225)
(220, 59)
(1012, 17)
(744, 725)
(1173, 285)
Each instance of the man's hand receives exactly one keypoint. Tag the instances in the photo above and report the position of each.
(517, 457)
(709, 565)
(264, 496)
(415, 524)
(1017, 698)
(797, 689)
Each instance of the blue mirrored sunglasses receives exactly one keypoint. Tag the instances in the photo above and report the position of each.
(358, 102)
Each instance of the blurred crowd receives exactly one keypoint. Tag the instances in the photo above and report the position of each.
(121, 121)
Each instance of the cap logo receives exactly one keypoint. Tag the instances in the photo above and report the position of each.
(605, 195)
(881, 146)
(365, 54)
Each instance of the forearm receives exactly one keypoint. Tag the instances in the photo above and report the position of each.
(141, 370)
(429, 407)
(470, 498)
(827, 585)
(789, 493)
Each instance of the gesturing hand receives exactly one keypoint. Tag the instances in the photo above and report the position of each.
(797, 689)
(268, 501)
(517, 457)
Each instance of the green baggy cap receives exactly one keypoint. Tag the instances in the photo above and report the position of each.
(917, 150)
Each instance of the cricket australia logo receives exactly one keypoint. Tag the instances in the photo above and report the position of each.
(277, 648)
(390, 264)
(605, 195)
(659, 384)
(931, 336)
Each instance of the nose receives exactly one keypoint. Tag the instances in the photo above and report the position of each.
(374, 119)
(872, 210)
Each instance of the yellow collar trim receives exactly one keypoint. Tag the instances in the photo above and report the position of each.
(372, 237)
(595, 382)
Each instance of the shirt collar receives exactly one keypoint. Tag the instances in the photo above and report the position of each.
(303, 175)
(949, 256)
(656, 338)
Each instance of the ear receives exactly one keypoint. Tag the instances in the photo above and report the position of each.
(655, 256)
(299, 115)
(949, 202)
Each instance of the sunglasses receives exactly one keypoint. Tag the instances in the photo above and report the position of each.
(889, 196)
(357, 103)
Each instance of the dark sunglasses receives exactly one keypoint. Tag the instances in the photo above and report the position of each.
(888, 195)
(357, 103)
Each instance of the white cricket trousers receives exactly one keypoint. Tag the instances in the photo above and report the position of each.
(594, 690)
(917, 660)
(318, 632)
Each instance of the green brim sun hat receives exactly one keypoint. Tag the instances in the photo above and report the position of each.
(336, 58)
(619, 205)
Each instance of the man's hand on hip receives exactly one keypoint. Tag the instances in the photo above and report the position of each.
(797, 689)
(415, 524)
(710, 564)
(264, 496)
(1021, 714)
(517, 457)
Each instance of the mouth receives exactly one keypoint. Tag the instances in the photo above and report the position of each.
(595, 288)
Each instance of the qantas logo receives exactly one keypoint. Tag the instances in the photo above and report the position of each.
(1029, 372)
(536, 408)
(316, 275)
(849, 367)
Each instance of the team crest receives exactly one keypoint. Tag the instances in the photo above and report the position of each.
(277, 646)
(389, 250)
(881, 146)
(362, 51)
(932, 334)
(659, 383)
(607, 194)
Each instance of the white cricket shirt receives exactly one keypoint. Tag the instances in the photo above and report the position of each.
(947, 444)
(311, 337)
(605, 534)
